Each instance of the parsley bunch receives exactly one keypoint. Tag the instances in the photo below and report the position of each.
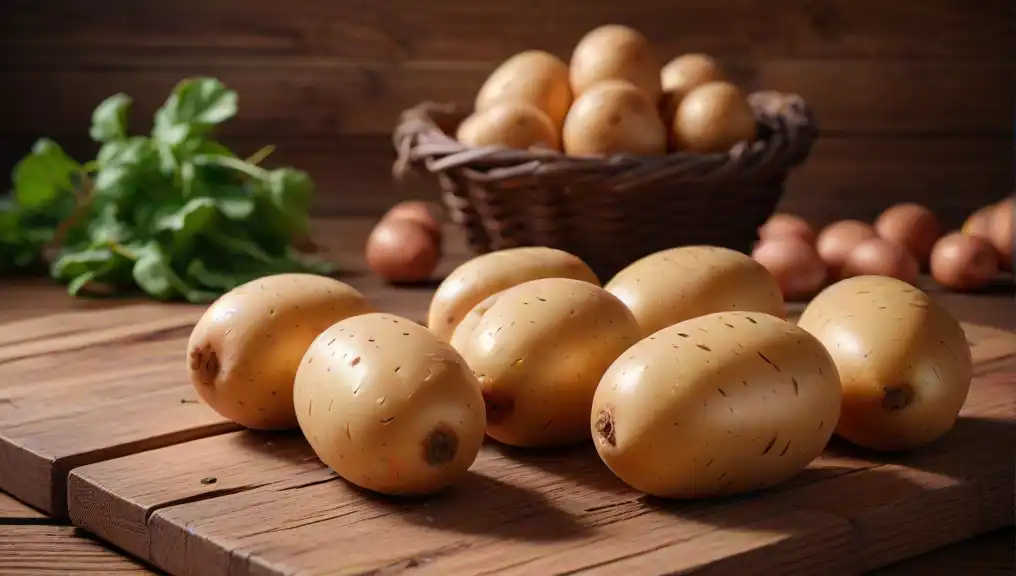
(176, 213)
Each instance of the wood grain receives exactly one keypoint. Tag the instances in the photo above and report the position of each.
(860, 177)
(14, 512)
(60, 551)
(64, 402)
(990, 555)
(322, 97)
(262, 504)
(65, 30)
(79, 397)
(845, 177)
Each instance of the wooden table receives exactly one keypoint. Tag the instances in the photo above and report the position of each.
(147, 479)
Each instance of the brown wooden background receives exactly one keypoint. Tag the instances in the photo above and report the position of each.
(915, 97)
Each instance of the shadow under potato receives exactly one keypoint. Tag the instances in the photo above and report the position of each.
(479, 504)
(577, 463)
(286, 445)
(497, 499)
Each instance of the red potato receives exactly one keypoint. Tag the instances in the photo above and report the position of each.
(880, 257)
(912, 226)
(782, 224)
(962, 262)
(1002, 232)
(402, 251)
(427, 214)
(979, 223)
(795, 264)
(838, 239)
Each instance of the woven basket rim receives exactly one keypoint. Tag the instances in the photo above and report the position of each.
(785, 121)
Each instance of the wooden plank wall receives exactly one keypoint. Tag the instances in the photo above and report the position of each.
(916, 99)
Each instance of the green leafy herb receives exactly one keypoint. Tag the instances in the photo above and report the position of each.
(175, 214)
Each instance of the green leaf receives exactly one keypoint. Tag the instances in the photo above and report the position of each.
(109, 121)
(107, 228)
(113, 273)
(167, 131)
(75, 286)
(187, 222)
(291, 189)
(175, 213)
(43, 175)
(10, 220)
(187, 174)
(236, 208)
(213, 279)
(153, 273)
(247, 248)
(202, 101)
(210, 148)
(74, 264)
(195, 105)
(123, 165)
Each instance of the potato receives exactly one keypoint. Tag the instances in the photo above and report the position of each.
(681, 283)
(464, 331)
(721, 404)
(244, 351)
(511, 125)
(491, 273)
(903, 359)
(533, 77)
(389, 406)
(539, 352)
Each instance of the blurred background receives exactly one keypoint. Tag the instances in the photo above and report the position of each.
(915, 99)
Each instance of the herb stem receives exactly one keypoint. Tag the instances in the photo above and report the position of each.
(259, 156)
(121, 250)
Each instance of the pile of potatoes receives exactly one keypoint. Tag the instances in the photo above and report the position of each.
(904, 240)
(613, 97)
(682, 370)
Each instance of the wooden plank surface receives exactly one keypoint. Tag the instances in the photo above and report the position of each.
(59, 551)
(569, 494)
(314, 97)
(251, 503)
(14, 512)
(988, 555)
(61, 30)
(70, 397)
(89, 385)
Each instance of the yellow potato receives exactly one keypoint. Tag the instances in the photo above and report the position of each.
(491, 273)
(615, 52)
(533, 77)
(903, 359)
(464, 331)
(538, 353)
(389, 406)
(721, 404)
(681, 283)
(244, 351)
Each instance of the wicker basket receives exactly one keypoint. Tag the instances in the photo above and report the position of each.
(609, 211)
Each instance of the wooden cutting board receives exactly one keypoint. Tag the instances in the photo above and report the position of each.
(97, 420)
